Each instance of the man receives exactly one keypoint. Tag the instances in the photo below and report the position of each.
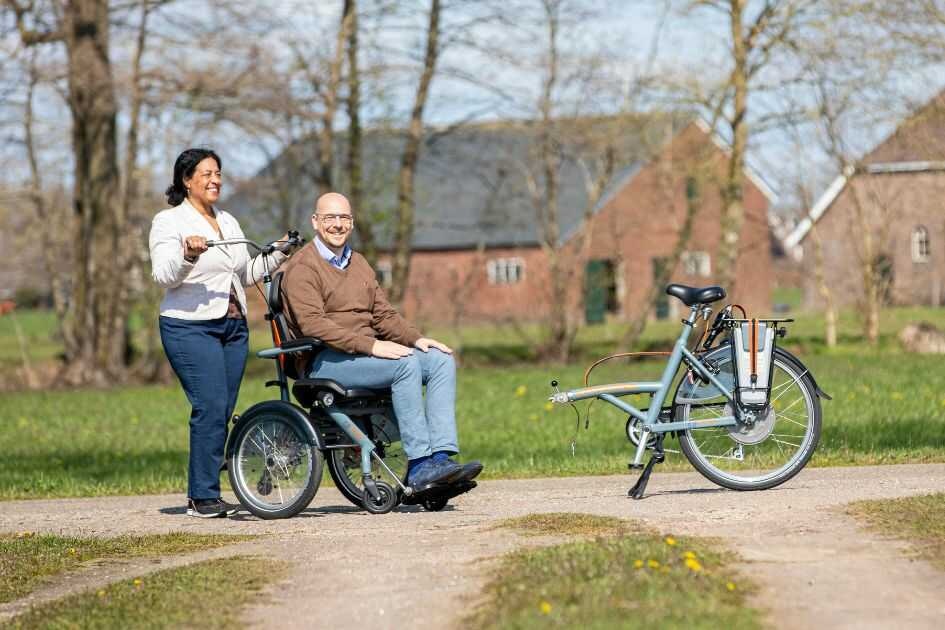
(331, 293)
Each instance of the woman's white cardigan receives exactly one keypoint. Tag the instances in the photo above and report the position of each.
(201, 290)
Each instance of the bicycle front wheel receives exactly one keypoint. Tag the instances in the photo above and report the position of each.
(767, 452)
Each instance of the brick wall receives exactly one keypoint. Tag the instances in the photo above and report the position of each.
(894, 204)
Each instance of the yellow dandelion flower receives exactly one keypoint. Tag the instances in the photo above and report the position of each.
(670, 541)
(653, 564)
(71, 551)
(137, 582)
(638, 564)
(730, 586)
(693, 565)
(545, 607)
(549, 406)
(101, 593)
(521, 390)
(689, 555)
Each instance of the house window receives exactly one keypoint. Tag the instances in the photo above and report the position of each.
(505, 270)
(920, 244)
(385, 274)
(696, 264)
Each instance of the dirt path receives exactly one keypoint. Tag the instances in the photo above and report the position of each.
(817, 567)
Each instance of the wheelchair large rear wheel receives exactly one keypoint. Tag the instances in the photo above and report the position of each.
(344, 466)
(274, 468)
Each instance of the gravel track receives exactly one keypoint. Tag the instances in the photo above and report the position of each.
(816, 566)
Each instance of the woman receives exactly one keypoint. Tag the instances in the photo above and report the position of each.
(203, 314)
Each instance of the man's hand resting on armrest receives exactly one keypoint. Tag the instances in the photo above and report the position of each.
(425, 343)
(389, 350)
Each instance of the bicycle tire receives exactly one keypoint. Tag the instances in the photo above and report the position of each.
(693, 446)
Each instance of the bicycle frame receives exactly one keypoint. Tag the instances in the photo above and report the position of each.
(658, 390)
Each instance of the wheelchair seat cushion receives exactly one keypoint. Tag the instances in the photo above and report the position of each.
(305, 391)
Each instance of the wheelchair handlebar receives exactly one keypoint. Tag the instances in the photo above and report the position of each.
(293, 240)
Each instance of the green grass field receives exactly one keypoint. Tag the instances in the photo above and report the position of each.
(888, 408)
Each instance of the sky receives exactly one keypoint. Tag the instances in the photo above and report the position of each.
(635, 36)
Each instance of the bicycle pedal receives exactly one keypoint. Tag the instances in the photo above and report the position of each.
(633, 466)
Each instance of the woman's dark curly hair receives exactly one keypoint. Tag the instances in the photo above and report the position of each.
(184, 168)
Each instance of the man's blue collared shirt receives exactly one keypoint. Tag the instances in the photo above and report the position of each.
(335, 261)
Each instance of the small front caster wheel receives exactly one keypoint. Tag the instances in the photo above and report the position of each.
(435, 505)
(384, 503)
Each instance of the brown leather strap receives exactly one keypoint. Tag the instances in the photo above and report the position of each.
(754, 350)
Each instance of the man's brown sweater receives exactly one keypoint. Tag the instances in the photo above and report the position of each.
(345, 308)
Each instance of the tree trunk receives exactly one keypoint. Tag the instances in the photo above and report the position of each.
(50, 235)
(733, 210)
(830, 310)
(326, 136)
(355, 162)
(403, 230)
(633, 332)
(96, 324)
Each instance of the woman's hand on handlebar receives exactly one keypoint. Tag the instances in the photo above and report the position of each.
(194, 245)
(288, 242)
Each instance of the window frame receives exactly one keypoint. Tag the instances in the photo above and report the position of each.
(498, 270)
(696, 263)
(920, 244)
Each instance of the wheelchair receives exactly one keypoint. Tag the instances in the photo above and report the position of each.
(276, 450)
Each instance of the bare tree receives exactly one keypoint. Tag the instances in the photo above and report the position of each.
(404, 225)
(95, 339)
(758, 34)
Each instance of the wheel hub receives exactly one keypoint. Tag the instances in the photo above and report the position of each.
(752, 427)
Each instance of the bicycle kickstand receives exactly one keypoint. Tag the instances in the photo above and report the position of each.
(636, 492)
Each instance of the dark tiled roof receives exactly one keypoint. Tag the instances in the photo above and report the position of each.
(472, 181)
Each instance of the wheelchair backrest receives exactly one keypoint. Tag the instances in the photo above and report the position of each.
(280, 329)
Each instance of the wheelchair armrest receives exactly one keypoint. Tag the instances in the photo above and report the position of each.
(292, 346)
(300, 344)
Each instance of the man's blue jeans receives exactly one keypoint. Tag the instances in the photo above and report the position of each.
(422, 431)
(208, 357)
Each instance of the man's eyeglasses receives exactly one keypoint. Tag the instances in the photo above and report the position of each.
(344, 219)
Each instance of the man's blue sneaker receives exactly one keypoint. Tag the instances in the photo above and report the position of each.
(470, 470)
(432, 471)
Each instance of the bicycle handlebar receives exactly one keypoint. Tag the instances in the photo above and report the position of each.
(293, 240)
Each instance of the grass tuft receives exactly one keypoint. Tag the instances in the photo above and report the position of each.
(630, 581)
(917, 520)
(204, 595)
(566, 524)
(27, 560)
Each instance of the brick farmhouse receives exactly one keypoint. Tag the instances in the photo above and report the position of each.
(477, 253)
(895, 195)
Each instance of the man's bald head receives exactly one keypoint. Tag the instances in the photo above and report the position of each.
(332, 221)
(332, 203)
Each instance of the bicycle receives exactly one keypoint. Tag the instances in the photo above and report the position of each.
(739, 430)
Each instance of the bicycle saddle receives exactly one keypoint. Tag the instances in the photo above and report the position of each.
(695, 295)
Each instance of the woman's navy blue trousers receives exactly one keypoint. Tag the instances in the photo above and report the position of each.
(209, 357)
